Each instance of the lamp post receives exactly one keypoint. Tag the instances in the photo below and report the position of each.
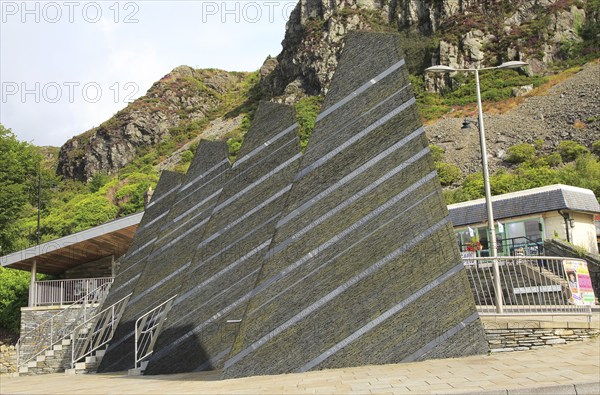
(484, 164)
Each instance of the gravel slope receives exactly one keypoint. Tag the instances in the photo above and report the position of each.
(552, 117)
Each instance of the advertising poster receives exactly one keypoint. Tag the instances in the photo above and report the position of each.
(580, 282)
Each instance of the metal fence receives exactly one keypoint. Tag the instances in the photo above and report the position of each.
(529, 284)
(146, 328)
(63, 292)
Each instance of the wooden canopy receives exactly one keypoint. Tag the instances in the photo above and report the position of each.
(56, 256)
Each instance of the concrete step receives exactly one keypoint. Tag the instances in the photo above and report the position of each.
(135, 372)
(66, 342)
(23, 369)
(138, 371)
(70, 372)
(57, 347)
(32, 364)
(100, 353)
(49, 353)
(90, 359)
(82, 368)
(40, 358)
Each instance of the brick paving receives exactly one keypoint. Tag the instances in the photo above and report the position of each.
(547, 370)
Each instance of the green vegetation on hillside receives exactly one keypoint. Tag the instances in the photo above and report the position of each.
(581, 169)
(67, 206)
(70, 206)
(448, 173)
(495, 86)
(14, 289)
(244, 101)
(307, 110)
(18, 185)
(529, 37)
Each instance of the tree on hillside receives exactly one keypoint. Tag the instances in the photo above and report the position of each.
(14, 290)
(19, 166)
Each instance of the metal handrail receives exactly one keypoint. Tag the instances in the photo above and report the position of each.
(147, 326)
(529, 284)
(61, 292)
(96, 331)
(57, 327)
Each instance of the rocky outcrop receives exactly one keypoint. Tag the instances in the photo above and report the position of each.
(214, 131)
(459, 33)
(183, 96)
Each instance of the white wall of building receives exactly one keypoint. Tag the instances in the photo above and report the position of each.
(555, 225)
(582, 234)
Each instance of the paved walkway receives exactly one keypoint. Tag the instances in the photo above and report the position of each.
(562, 369)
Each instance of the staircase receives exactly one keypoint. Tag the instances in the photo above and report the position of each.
(52, 360)
(58, 359)
(47, 348)
(89, 365)
(91, 338)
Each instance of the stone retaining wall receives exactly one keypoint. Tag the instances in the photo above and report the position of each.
(32, 317)
(519, 334)
(8, 359)
(64, 322)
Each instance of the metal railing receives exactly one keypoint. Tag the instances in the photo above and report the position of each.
(530, 284)
(62, 292)
(147, 326)
(96, 331)
(59, 326)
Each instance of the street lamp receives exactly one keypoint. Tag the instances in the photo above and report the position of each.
(484, 164)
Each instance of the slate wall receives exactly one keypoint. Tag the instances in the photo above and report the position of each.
(202, 324)
(131, 264)
(342, 257)
(364, 252)
(165, 267)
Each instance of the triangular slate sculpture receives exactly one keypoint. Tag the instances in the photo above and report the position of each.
(202, 324)
(165, 268)
(363, 268)
(131, 264)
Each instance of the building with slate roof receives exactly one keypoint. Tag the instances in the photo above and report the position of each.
(529, 217)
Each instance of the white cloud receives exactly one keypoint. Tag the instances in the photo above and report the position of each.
(167, 34)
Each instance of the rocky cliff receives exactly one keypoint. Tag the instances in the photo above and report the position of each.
(459, 33)
(185, 96)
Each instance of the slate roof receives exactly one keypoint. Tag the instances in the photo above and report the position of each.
(531, 201)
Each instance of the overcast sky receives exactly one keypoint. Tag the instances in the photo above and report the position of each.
(67, 66)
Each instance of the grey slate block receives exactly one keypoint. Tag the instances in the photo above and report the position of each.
(131, 264)
(202, 324)
(166, 266)
(363, 267)
(343, 256)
